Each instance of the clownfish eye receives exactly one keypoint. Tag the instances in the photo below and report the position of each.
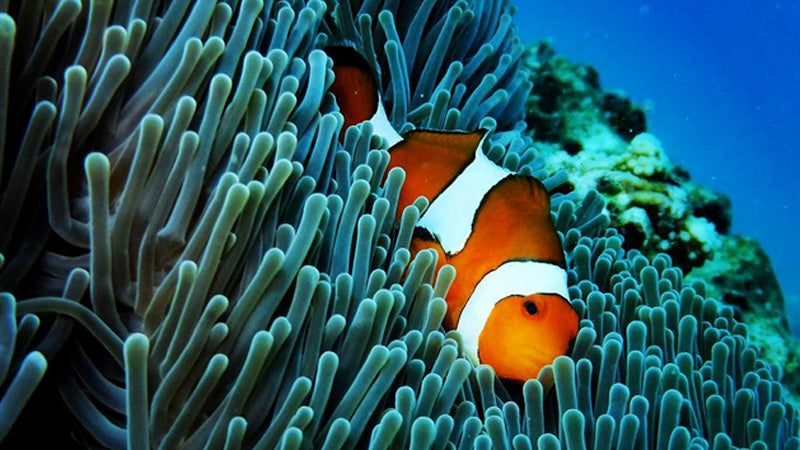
(531, 308)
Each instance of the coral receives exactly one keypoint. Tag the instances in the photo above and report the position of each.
(600, 139)
(197, 261)
(651, 201)
(740, 275)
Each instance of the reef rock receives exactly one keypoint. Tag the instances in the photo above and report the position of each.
(599, 138)
(740, 274)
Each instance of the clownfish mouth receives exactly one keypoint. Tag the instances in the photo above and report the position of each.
(530, 355)
(527, 362)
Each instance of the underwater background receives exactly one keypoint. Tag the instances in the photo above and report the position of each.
(719, 84)
(189, 257)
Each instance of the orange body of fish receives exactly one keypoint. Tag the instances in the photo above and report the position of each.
(509, 300)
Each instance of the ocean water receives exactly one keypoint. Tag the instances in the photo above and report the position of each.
(721, 83)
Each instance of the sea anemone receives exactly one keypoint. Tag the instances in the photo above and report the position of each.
(193, 259)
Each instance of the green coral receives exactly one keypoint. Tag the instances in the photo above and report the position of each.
(211, 268)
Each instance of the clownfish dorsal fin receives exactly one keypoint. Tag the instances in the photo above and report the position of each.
(525, 200)
(433, 160)
(357, 92)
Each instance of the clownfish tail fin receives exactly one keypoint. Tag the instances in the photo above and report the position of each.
(354, 86)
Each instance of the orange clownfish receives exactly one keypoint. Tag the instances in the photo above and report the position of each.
(509, 300)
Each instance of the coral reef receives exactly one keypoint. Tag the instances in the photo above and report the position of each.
(576, 127)
(740, 275)
(600, 139)
(192, 259)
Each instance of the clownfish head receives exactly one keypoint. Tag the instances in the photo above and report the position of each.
(518, 319)
(525, 333)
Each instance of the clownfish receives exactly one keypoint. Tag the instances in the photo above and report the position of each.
(509, 299)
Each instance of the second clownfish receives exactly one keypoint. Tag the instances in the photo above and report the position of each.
(509, 300)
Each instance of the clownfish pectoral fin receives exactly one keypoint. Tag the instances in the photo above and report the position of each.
(433, 160)
(357, 93)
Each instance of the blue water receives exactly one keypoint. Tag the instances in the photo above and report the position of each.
(722, 83)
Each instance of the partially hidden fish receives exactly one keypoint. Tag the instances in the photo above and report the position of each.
(509, 299)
